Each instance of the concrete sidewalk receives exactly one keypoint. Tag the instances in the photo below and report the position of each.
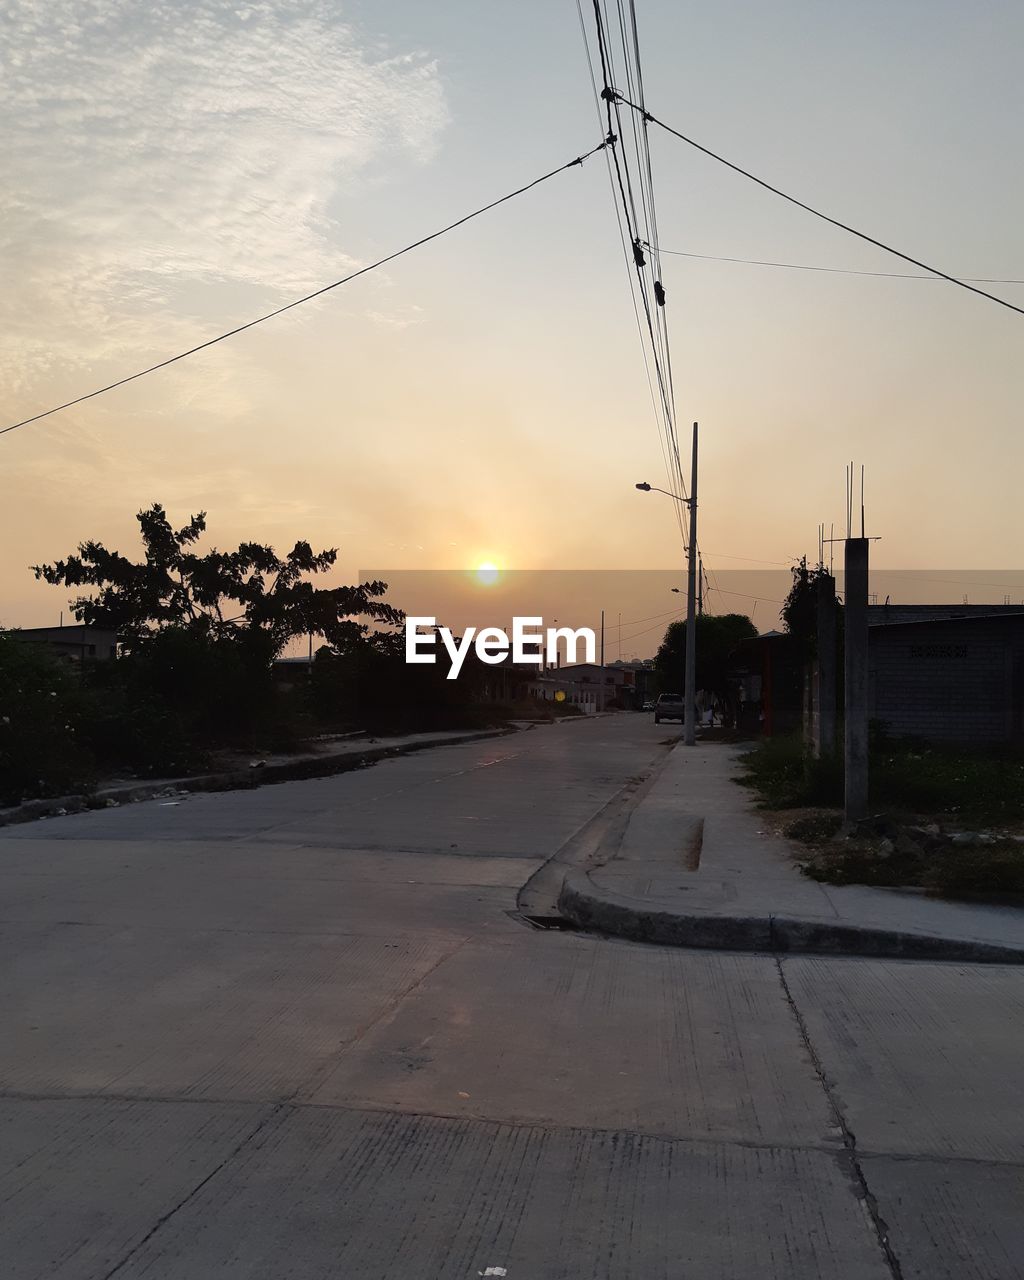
(745, 893)
(330, 758)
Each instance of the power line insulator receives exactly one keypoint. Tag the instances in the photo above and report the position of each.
(638, 255)
(659, 293)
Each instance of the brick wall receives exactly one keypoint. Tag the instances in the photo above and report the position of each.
(953, 682)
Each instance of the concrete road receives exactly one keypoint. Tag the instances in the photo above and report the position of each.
(299, 1032)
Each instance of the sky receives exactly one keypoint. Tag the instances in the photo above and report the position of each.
(172, 170)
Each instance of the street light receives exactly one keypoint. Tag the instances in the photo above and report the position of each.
(690, 691)
(653, 488)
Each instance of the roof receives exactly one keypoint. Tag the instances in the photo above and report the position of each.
(73, 633)
(974, 619)
(897, 614)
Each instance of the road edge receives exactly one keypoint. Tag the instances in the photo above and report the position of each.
(297, 770)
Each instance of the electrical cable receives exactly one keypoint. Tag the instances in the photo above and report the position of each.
(625, 188)
(861, 235)
(298, 302)
(625, 237)
(840, 271)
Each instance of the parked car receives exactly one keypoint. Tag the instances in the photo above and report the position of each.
(648, 706)
(670, 706)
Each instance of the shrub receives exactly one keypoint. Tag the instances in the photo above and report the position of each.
(42, 711)
(788, 777)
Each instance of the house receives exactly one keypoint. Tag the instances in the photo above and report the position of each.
(957, 678)
(768, 679)
(943, 673)
(587, 684)
(73, 643)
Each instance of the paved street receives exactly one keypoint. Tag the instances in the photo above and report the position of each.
(300, 1032)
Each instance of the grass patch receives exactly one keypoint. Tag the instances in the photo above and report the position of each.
(983, 789)
(948, 818)
(950, 870)
(786, 777)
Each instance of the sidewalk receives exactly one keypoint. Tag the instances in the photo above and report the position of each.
(746, 893)
(337, 757)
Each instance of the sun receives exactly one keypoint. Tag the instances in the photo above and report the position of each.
(487, 573)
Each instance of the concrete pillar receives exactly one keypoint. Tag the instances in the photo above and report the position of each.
(825, 737)
(856, 673)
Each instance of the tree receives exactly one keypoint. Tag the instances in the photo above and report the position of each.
(717, 637)
(250, 597)
(799, 612)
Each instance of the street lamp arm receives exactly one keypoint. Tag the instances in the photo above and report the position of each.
(653, 488)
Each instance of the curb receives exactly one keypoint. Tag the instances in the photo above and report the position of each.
(587, 907)
(298, 770)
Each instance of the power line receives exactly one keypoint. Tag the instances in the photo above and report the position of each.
(657, 322)
(678, 613)
(745, 595)
(751, 559)
(647, 630)
(298, 302)
(664, 434)
(861, 235)
(625, 188)
(651, 617)
(841, 271)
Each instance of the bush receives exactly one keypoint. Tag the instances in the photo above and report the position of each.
(788, 777)
(370, 686)
(986, 787)
(979, 869)
(906, 776)
(42, 712)
(160, 711)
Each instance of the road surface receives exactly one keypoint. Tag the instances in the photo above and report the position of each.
(300, 1032)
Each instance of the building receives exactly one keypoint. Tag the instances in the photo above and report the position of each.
(592, 687)
(767, 675)
(944, 673)
(73, 643)
(957, 678)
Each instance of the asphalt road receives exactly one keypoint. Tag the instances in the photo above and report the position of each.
(299, 1033)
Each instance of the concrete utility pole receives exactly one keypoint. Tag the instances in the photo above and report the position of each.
(600, 704)
(690, 691)
(856, 672)
(824, 742)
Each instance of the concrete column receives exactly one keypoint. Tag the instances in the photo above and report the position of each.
(856, 673)
(825, 738)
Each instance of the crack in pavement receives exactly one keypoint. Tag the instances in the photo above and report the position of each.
(868, 1197)
(271, 1115)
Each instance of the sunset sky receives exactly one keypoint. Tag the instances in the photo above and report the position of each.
(174, 169)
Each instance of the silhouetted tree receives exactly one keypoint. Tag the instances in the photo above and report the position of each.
(799, 612)
(250, 597)
(717, 637)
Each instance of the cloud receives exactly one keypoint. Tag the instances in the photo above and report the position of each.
(398, 317)
(169, 163)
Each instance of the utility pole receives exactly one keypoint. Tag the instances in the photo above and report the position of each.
(700, 586)
(600, 704)
(690, 691)
(856, 671)
(855, 611)
(824, 739)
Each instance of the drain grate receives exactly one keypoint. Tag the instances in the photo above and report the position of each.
(543, 922)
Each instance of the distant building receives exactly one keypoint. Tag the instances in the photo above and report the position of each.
(591, 686)
(74, 643)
